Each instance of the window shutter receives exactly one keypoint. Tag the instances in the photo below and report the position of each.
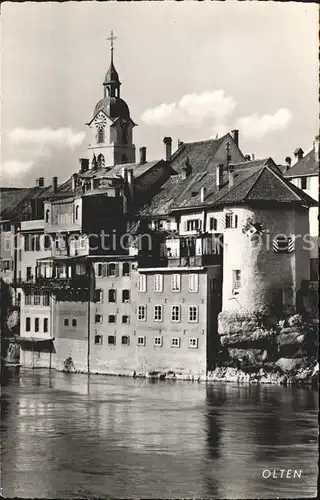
(116, 269)
(105, 270)
(223, 221)
(186, 225)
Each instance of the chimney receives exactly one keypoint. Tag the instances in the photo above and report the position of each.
(84, 165)
(231, 176)
(74, 181)
(54, 184)
(179, 143)
(219, 175)
(316, 148)
(143, 155)
(298, 153)
(40, 182)
(203, 193)
(252, 156)
(235, 136)
(247, 158)
(168, 148)
(288, 163)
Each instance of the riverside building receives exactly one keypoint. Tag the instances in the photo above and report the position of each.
(125, 267)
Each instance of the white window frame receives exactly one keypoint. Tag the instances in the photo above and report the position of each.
(100, 301)
(175, 283)
(158, 308)
(144, 315)
(213, 221)
(142, 283)
(191, 309)
(175, 342)
(193, 343)
(175, 307)
(101, 319)
(193, 225)
(193, 287)
(158, 283)
(141, 341)
(158, 341)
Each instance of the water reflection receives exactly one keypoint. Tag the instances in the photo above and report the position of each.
(131, 438)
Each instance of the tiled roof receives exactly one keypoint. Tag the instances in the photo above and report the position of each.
(306, 166)
(13, 200)
(202, 157)
(262, 184)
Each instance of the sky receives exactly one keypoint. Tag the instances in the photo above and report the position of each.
(189, 70)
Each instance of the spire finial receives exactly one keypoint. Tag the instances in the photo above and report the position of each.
(112, 38)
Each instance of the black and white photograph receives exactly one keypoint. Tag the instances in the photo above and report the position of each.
(159, 250)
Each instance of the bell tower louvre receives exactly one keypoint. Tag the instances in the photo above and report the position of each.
(111, 126)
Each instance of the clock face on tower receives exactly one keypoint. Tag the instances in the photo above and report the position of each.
(100, 120)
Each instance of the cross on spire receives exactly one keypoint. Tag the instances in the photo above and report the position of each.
(112, 38)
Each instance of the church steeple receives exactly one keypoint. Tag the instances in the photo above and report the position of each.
(111, 81)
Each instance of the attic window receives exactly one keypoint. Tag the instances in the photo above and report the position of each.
(194, 193)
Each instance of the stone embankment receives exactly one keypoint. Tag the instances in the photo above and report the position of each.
(257, 348)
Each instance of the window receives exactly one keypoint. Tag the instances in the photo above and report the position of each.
(99, 269)
(98, 339)
(283, 244)
(124, 159)
(47, 215)
(193, 343)
(47, 242)
(113, 269)
(36, 324)
(98, 296)
(125, 340)
(111, 318)
(193, 314)
(236, 281)
(304, 183)
(61, 271)
(158, 341)
(126, 296)
(36, 300)
(101, 161)
(175, 282)
(142, 283)
(175, 314)
(27, 245)
(28, 324)
(125, 319)
(126, 269)
(27, 299)
(142, 313)
(77, 212)
(175, 342)
(80, 269)
(35, 242)
(213, 224)
(45, 325)
(158, 282)
(157, 316)
(100, 135)
(193, 225)
(98, 318)
(66, 322)
(141, 341)
(28, 273)
(231, 221)
(111, 340)
(74, 322)
(193, 282)
(112, 296)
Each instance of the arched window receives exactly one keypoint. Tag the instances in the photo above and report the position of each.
(112, 295)
(124, 159)
(101, 161)
(100, 136)
(77, 212)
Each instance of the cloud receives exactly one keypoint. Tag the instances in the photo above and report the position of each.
(13, 168)
(47, 138)
(255, 127)
(191, 109)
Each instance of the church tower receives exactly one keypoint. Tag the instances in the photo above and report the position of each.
(111, 125)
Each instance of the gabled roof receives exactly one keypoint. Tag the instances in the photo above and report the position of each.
(203, 156)
(306, 166)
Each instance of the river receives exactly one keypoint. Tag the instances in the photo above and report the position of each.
(70, 436)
